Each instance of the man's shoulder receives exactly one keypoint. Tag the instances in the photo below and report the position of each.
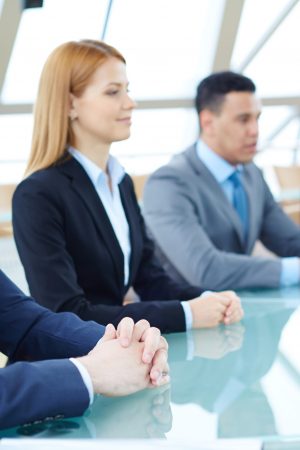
(253, 170)
(179, 165)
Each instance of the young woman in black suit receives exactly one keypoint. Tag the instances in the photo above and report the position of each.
(77, 224)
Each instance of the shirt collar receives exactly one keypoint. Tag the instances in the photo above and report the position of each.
(94, 172)
(218, 166)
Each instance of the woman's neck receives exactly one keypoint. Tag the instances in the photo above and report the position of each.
(99, 155)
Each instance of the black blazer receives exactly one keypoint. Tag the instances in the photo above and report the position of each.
(72, 258)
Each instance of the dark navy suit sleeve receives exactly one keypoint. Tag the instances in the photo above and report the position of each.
(52, 387)
(31, 331)
(39, 390)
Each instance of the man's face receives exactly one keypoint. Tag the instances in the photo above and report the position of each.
(232, 132)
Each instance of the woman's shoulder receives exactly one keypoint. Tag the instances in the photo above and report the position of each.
(42, 181)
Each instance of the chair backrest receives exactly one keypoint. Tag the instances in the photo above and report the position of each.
(139, 183)
(288, 177)
(6, 194)
(289, 183)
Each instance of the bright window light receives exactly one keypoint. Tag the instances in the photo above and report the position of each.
(169, 45)
(40, 31)
(276, 67)
(15, 138)
(253, 26)
(156, 135)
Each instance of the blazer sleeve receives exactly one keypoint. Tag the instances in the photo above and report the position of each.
(39, 390)
(171, 212)
(31, 332)
(50, 271)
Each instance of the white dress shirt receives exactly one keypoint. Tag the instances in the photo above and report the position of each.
(85, 377)
(110, 199)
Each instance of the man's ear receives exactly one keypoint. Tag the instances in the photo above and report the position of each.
(206, 118)
(72, 109)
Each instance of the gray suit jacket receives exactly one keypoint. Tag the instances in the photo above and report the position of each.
(198, 231)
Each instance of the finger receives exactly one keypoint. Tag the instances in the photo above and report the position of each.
(234, 306)
(139, 329)
(125, 331)
(151, 337)
(236, 316)
(222, 309)
(230, 309)
(109, 334)
(226, 301)
(218, 316)
(159, 373)
(163, 380)
(229, 319)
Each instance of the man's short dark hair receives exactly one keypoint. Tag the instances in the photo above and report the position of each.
(212, 89)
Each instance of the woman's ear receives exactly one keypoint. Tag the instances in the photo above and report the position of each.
(72, 110)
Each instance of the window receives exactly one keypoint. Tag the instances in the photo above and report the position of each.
(169, 45)
(40, 31)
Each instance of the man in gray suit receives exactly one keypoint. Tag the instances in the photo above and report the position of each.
(210, 204)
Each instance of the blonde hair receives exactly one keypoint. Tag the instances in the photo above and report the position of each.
(68, 69)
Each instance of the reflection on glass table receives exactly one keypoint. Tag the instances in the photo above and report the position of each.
(223, 392)
(143, 415)
(241, 381)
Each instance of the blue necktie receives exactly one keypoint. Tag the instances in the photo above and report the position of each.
(240, 201)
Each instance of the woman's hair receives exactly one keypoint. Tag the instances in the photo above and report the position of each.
(68, 69)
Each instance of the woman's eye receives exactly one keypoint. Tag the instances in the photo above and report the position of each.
(112, 92)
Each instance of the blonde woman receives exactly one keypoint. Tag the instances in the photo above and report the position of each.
(77, 224)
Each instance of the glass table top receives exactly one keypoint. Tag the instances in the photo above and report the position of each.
(239, 381)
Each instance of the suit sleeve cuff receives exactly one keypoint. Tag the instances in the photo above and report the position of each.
(188, 315)
(188, 312)
(85, 378)
(290, 271)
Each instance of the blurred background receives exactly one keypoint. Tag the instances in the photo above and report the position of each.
(169, 46)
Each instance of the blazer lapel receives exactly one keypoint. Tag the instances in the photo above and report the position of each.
(85, 190)
(134, 229)
(248, 185)
(220, 200)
